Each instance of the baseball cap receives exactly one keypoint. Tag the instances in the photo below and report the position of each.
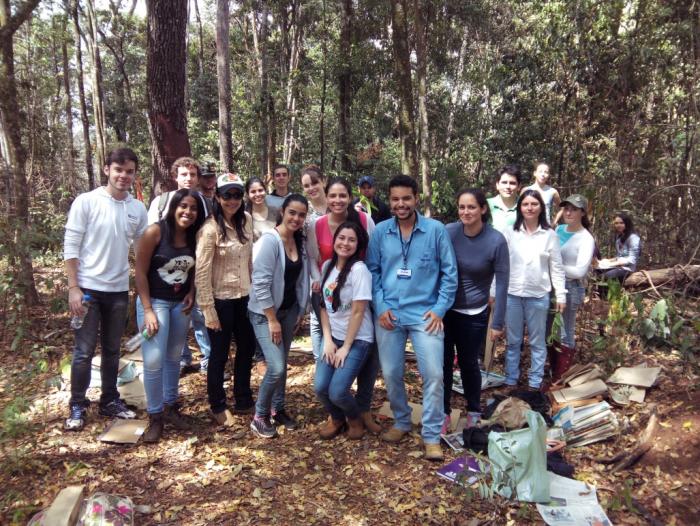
(366, 179)
(577, 200)
(226, 182)
(208, 173)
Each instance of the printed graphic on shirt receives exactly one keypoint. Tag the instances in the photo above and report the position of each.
(175, 271)
(328, 296)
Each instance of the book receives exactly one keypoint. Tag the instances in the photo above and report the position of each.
(463, 471)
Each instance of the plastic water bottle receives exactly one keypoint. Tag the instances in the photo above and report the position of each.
(76, 322)
(136, 340)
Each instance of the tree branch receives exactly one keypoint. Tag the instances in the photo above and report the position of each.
(15, 21)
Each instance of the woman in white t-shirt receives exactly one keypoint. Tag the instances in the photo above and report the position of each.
(346, 289)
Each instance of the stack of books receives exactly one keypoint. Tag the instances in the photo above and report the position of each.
(587, 424)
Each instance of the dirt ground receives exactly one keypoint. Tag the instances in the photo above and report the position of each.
(215, 476)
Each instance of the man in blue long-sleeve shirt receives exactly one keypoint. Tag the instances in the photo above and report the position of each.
(414, 278)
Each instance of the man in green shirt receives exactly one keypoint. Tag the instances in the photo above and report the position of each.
(503, 205)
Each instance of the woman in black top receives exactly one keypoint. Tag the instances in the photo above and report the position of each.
(164, 271)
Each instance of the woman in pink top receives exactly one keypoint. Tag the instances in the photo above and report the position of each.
(320, 249)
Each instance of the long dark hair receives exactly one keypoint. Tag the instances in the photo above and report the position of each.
(239, 220)
(480, 200)
(542, 219)
(250, 182)
(353, 215)
(629, 225)
(362, 242)
(167, 225)
(299, 236)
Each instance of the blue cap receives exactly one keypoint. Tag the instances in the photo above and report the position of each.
(366, 179)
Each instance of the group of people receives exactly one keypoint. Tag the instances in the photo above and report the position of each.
(242, 264)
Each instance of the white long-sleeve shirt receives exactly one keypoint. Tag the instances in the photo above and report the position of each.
(99, 232)
(576, 251)
(535, 264)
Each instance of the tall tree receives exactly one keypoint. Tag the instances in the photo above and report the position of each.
(165, 85)
(421, 18)
(345, 84)
(98, 106)
(223, 83)
(260, 28)
(68, 104)
(72, 8)
(404, 88)
(15, 155)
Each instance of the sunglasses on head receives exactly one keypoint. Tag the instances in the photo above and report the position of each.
(227, 196)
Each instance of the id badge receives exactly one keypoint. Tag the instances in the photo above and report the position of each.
(403, 273)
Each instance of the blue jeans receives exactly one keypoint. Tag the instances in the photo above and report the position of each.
(533, 312)
(202, 337)
(272, 387)
(574, 299)
(429, 352)
(332, 384)
(106, 314)
(367, 375)
(161, 353)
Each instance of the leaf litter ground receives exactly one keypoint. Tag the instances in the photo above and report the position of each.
(217, 476)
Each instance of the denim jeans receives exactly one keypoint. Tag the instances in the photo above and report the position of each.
(332, 384)
(271, 392)
(161, 353)
(233, 316)
(574, 299)
(468, 334)
(367, 375)
(532, 311)
(201, 334)
(429, 350)
(107, 314)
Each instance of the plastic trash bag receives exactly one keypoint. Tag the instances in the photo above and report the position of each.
(102, 509)
(519, 461)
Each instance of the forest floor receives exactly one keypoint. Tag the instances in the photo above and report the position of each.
(214, 476)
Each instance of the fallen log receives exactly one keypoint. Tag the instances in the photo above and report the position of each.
(645, 443)
(669, 277)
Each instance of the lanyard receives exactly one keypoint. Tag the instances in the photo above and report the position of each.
(405, 247)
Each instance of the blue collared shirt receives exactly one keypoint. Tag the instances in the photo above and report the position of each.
(433, 267)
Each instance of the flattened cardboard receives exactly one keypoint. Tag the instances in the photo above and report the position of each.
(65, 507)
(133, 393)
(417, 414)
(639, 376)
(122, 431)
(587, 390)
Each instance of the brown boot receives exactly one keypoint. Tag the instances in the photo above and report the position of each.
(356, 428)
(564, 361)
(155, 428)
(331, 428)
(370, 423)
(173, 417)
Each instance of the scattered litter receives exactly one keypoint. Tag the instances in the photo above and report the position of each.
(572, 503)
(586, 390)
(463, 471)
(489, 380)
(122, 431)
(133, 393)
(417, 413)
(640, 376)
(588, 424)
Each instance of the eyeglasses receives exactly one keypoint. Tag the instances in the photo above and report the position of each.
(232, 195)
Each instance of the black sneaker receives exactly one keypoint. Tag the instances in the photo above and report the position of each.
(76, 419)
(117, 409)
(281, 418)
(262, 427)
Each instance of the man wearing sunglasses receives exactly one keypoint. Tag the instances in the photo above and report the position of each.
(186, 173)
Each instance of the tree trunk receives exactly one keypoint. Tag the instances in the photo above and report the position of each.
(456, 91)
(72, 7)
(295, 43)
(260, 32)
(98, 107)
(666, 277)
(200, 34)
(324, 83)
(11, 125)
(422, 21)
(402, 78)
(70, 178)
(223, 76)
(345, 84)
(165, 86)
